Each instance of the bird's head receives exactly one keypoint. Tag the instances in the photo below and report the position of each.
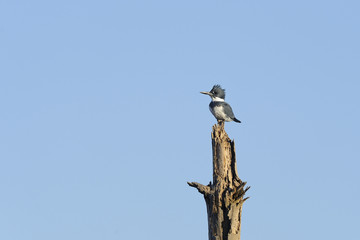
(216, 93)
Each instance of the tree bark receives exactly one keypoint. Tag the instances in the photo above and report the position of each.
(225, 196)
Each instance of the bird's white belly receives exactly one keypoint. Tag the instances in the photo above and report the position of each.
(219, 113)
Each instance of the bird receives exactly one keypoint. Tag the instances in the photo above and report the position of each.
(221, 110)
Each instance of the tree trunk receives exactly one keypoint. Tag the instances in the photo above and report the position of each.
(225, 196)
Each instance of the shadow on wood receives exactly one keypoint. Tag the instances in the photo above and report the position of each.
(225, 195)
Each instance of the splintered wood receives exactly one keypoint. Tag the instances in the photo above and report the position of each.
(224, 196)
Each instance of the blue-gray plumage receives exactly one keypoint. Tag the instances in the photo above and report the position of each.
(218, 107)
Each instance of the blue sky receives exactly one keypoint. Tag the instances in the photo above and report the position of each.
(103, 124)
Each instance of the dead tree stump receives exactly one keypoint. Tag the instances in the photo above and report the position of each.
(225, 196)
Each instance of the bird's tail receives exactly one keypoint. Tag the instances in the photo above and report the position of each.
(236, 120)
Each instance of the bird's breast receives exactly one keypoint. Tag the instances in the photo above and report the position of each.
(219, 113)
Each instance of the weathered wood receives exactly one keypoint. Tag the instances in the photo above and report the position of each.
(224, 197)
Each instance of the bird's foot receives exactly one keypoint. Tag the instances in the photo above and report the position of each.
(221, 123)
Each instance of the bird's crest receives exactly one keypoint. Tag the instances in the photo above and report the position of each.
(218, 91)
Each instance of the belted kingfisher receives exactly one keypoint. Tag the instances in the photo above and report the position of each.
(218, 107)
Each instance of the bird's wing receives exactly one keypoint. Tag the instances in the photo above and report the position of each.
(228, 110)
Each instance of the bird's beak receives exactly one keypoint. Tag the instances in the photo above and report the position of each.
(207, 93)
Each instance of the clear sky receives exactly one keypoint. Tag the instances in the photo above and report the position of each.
(102, 123)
